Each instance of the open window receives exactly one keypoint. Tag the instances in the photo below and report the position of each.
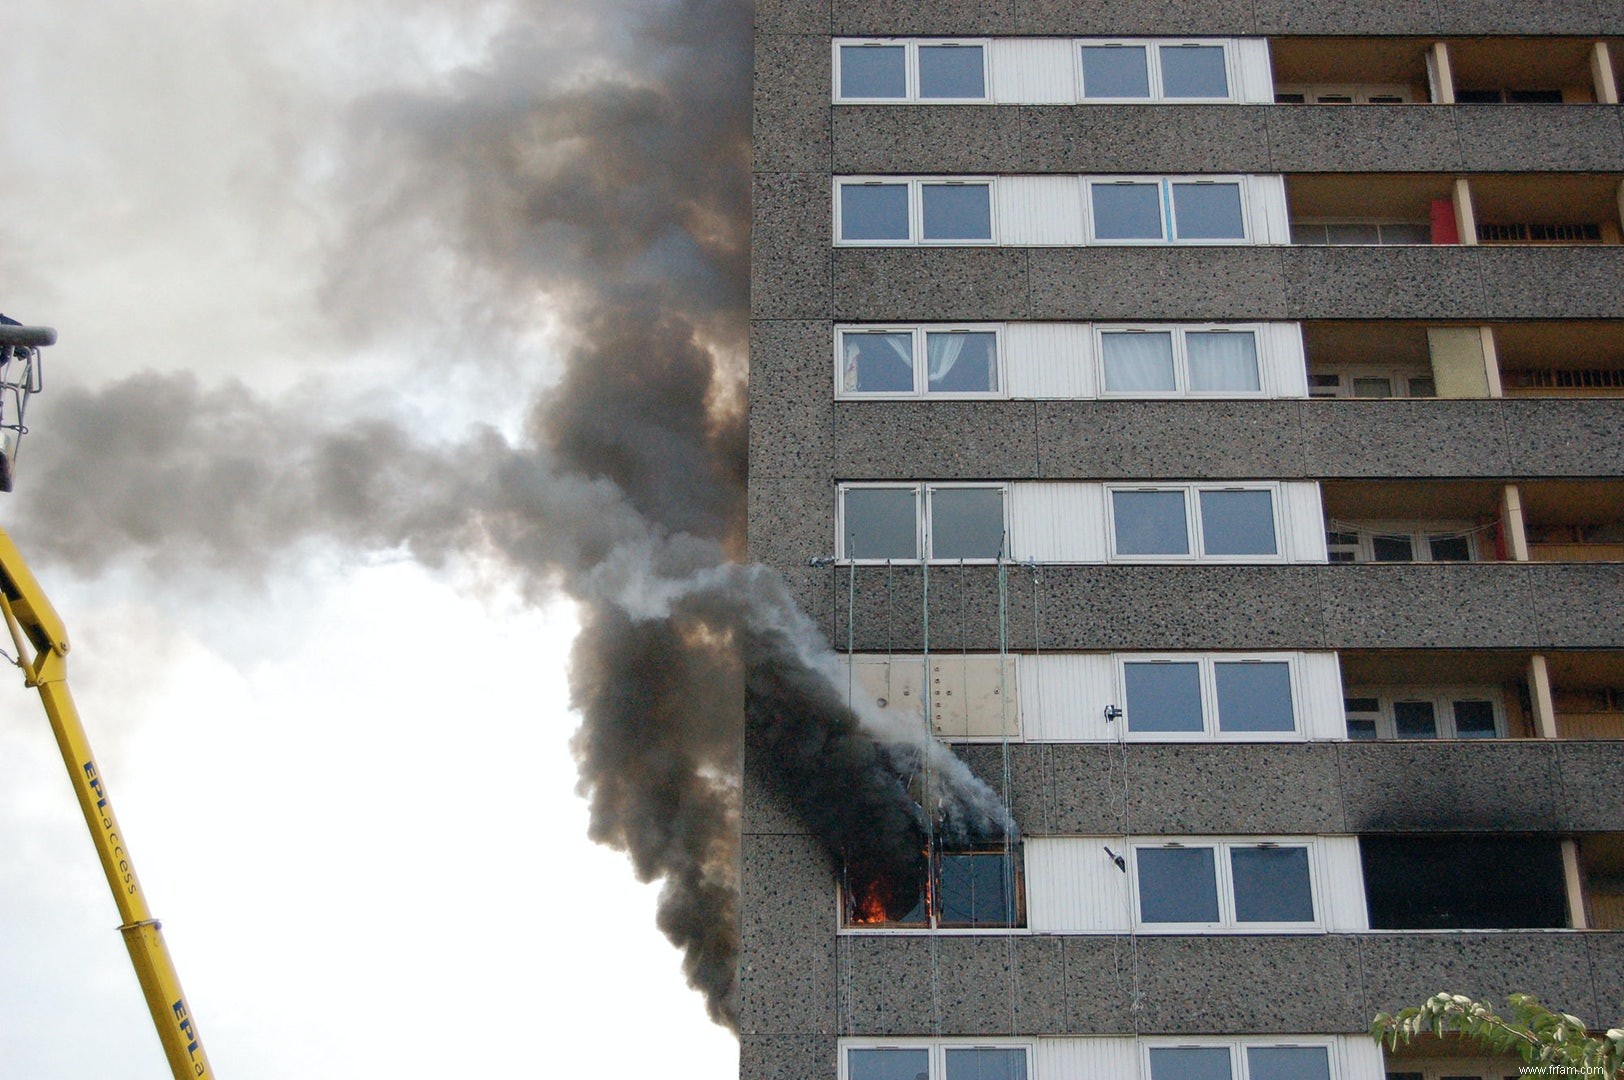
(1464, 882)
(961, 889)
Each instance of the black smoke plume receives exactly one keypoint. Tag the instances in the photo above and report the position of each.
(598, 158)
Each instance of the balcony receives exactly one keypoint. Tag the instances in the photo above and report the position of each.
(1413, 522)
(1574, 521)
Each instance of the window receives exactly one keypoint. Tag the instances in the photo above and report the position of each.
(1356, 233)
(912, 71)
(1372, 381)
(1344, 94)
(1177, 210)
(1456, 1068)
(1237, 1061)
(945, 361)
(1206, 698)
(909, 1059)
(1178, 361)
(1464, 882)
(1150, 71)
(881, 212)
(894, 523)
(1404, 541)
(1229, 524)
(1469, 712)
(971, 889)
(1225, 885)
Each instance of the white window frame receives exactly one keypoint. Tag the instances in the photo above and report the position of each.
(1378, 223)
(1442, 699)
(1237, 1047)
(922, 521)
(1227, 922)
(1164, 193)
(1419, 533)
(1153, 60)
(910, 66)
(1181, 359)
(1194, 538)
(1208, 679)
(916, 209)
(1399, 376)
(1361, 93)
(938, 1050)
(921, 390)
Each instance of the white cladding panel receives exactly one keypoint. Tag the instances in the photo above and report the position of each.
(1305, 522)
(1255, 82)
(1033, 71)
(1057, 522)
(1362, 1059)
(1049, 360)
(1039, 210)
(1064, 695)
(1322, 715)
(1286, 360)
(1087, 1059)
(1267, 198)
(1072, 886)
(1342, 885)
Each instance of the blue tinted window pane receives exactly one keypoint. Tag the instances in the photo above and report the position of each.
(986, 1063)
(874, 211)
(1138, 363)
(881, 523)
(1237, 523)
(1150, 523)
(1208, 212)
(1163, 697)
(962, 362)
(976, 890)
(1127, 211)
(1288, 1063)
(951, 71)
(910, 1064)
(1177, 885)
(1115, 71)
(1254, 697)
(957, 211)
(1194, 71)
(966, 523)
(1189, 1063)
(1271, 885)
(876, 363)
(873, 71)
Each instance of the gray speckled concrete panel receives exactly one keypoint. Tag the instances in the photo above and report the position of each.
(999, 985)
(787, 936)
(1467, 786)
(885, 983)
(1315, 17)
(1027, 792)
(1406, 969)
(1474, 17)
(1093, 18)
(1406, 438)
(1142, 139)
(790, 521)
(1550, 282)
(986, 440)
(1098, 987)
(791, 219)
(1363, 138)
(791, 105)
(1214, 789)
(792, 16)
(1565, 438)
(888, 18)
(788, 1057)
(1157, 283)
(1211, 985)
(1169, 439)
(886, 284)
(1606, 952)
(1593, 796)
(1578, 605)
(963, 139)
(1540, 138)
(1383, 283)
(1085, 795)
(791, 391)
(1428, 606)
(963, 608)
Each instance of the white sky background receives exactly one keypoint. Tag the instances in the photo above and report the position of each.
(348, 793)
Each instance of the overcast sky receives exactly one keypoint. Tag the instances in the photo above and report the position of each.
(343, 771)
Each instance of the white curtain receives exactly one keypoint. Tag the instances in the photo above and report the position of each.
(1138, 363)
(901, 344)
(1222, 361)
(943, 351)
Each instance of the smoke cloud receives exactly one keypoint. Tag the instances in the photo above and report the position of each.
(599, 161)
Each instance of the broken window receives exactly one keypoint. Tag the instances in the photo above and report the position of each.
(1464, 882)
(976, 889)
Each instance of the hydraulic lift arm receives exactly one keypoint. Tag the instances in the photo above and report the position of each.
(36, 627)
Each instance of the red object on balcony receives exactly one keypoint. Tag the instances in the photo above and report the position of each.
(1444, 228)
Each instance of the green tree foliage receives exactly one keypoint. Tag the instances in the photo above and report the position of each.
(1556, 1044)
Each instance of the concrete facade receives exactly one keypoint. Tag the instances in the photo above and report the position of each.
(805, 984)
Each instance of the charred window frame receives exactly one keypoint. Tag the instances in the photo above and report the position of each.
(1464, 882)
(969, 889)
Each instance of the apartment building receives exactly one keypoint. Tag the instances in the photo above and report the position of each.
(1209, 417)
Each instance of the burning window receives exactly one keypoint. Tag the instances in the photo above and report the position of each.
(961, 890)
(1463, 883)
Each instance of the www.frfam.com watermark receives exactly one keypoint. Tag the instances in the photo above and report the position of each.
(1559, 1070)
